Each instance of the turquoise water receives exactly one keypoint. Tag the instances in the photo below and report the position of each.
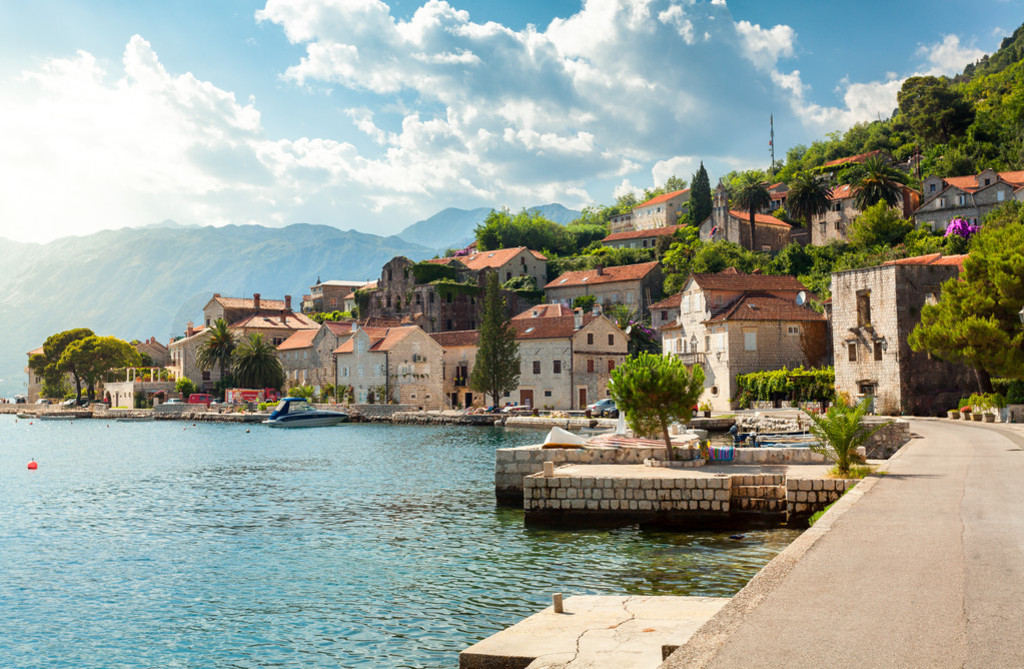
(168, 544)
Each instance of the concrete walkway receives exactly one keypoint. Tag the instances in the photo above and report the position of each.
(923, 567)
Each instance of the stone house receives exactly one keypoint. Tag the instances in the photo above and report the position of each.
(458, 358)
(328, 295)
(275, 328)
(620, 222)
(350, 301)
(399, 364)
(665, 312)
(156, 351)
(635, 286)
(874, 310)
(449, 297)
(734, 323)
(307, 356)
(834, 224)
(724, 224)
(661, 211)
(516, 261)
(35, 382)
(233, 309)
(639, 239)
(184, 352)
(969, 197)
(779, 193)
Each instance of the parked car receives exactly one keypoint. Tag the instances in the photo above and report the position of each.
(605, 407)
(174, 400)
(42, 400)
(200, 398)
(20, 399)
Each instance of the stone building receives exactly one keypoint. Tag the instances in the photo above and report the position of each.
(969, 197)
(636, 286)
(328, 295)
(307, 356)
(733, 323)
(458, 358)
(508, 263)
(724, 224)
(438, 297)
(874, 310)
(834, 224)
(639, 239)
(779, 193)
(184, 352)
(157, 352)
(397, 364)
(661, 211)
(620, 222)
(665, 312)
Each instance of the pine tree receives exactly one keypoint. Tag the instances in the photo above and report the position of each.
(700, 196)
(496, 370)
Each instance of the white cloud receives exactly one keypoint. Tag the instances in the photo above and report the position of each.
(679, 166)
(947, 57)
(763, 46)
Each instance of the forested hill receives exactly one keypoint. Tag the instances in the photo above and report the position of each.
(960, 126)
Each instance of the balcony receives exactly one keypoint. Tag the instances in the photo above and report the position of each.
(692, 358)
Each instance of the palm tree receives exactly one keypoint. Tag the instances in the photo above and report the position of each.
(256, 365)
(876, 182)
(840, 431)
(751, 194)
(808, 196)
(217, 349)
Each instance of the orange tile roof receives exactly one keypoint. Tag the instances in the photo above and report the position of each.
(456, 338)
(733, 280)
(375, 335)
(662, 198)
(842, 192)
(249, 303)
(496, 258)
(590, 277)
(641, 234)
(556, 327)
(759, 306)
(545, 311)
(930, 259)
(292, 321)
(970, 183)
(859, 158)
(340, 328)
(759, 219)
(670, 302)
(37, 351)
(381, 339)
(298, 339)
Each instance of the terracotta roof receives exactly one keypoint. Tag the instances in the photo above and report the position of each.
(662, 198)
(759, 306)
(670, 302)
(393, 336)
(249, 303)
(641, 234)
(376, 335)
(590, 277)
(456, 338)
(734, 280)
(36, 351)
(448, 260)
(970, 183)
(298, 339)
(859, 158)
(841, 192)
(340, 328)
(930, 259)
(759, 219)
(545, 311)
(556, 327)
(496, 258)
(292, 321)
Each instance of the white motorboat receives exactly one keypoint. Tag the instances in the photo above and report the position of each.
(297, 412)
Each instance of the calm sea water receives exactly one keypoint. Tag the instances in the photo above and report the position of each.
(168, 544)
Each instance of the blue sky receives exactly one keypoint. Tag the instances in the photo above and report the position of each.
(372, 115)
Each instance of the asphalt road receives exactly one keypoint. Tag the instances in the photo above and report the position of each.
(925, 569)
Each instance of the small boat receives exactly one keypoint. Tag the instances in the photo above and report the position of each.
(57, 416)
(297, 412)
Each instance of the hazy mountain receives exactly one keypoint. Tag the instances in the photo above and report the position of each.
(135, 283)
(453, 228)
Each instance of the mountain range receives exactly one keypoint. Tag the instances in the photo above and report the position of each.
(136, 283)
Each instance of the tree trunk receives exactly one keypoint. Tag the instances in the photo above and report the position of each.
(984, 380)
(668, 440)
(751, 247)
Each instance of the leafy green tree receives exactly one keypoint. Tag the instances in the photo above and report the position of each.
(305, 392)
(584, 302)
(48, 364)
(700, 196)
(255, 363)
(976, 320)
(184, 386)
(217, 349)
(502, 229)
(521, 282)
(654, 391)
(934, 110)
(809, 196)
(877, 182)
(751, 193)
(94, 356)
(496, 370)
(879, 224)
(840, 430)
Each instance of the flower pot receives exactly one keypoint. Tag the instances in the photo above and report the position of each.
(953, 415)
(965, 415)
(707, 414)
(976, 417)
(989, 417)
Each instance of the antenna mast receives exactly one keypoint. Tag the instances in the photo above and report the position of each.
(771, 142)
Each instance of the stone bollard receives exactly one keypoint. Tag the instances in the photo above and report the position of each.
(556, 602)
(549, 469)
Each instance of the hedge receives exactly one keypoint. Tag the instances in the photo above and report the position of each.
(794, 385)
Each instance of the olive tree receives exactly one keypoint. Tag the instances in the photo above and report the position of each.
(654, 391)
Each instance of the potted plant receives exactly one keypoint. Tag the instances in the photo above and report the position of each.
(705, 406)
(953, 414)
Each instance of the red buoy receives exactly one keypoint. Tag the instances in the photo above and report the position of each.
(33, 465)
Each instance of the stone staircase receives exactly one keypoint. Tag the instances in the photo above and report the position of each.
(759, 495)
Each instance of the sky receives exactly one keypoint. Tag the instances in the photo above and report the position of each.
(372, 115)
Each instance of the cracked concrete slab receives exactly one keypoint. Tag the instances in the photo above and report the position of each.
(595, 631)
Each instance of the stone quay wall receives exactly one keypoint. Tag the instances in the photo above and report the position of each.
(805, 497)
(512, 465)
(626, 498)
(884, 443)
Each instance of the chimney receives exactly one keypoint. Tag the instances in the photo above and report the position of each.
(216, 294)
(287, 302)
(577, 317)
(600, 270)
(256, 301)
(190, 329)
(597, 310)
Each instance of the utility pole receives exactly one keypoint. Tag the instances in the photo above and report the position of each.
(771, 142)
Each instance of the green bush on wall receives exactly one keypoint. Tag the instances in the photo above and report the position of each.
(794, 385)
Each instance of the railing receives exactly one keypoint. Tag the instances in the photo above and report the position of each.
(692, 358)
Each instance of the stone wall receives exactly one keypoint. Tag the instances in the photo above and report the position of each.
(884, 443)
(805, 497)
(381, 410)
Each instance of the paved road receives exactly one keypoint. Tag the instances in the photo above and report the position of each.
(925, 569)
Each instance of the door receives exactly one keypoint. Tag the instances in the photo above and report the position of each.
(583, 398)
(469, 399)
(526, 398)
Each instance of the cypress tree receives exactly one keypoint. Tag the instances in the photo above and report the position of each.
(700, 196)
(496, 370)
